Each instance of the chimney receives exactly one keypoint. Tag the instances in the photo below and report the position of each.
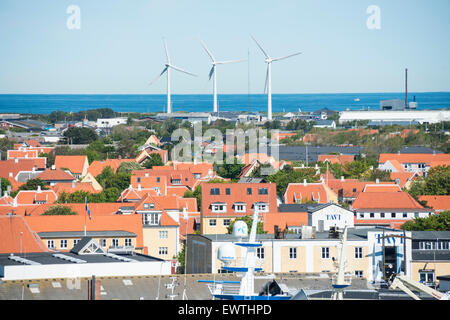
(139, 187)
(39, 189)
(342, 179)
(16, 160)
(304, 182)
(377, 181)
(53, 167)
(146, 174)
(10, 174)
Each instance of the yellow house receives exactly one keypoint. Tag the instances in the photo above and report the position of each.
(289, 255)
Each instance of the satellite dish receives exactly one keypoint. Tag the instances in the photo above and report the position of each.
(240, 229)
(226, 253)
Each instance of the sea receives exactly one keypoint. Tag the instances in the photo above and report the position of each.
(142, 103)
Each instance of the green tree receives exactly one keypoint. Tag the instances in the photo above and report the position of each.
(82, 135)
(230, 170)
(59, 210)
(4, 185)
(197, 193)
(438, 222)
(248, 220)
(154, 160)
(287, 175)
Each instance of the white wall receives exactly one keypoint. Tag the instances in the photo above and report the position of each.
(430, 116)
(86, 270)
(332, 216)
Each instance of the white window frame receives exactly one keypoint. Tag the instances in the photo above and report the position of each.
(262, 207)
(163, 251)
(115, 242)
(358, 252)
(128, 242)
(260, 253)
(325, 252)
(103, 243)
(240, 207)
(63, 243)
(163, 234)
(51, 244)
(211, 224)
(226, 222)
(219, 207)
(292, 253)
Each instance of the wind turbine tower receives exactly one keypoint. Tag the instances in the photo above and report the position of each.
(213, 73)
(268, 85)
(166, 69)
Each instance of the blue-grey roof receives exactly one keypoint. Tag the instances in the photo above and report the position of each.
(298, 153)
(48, 258)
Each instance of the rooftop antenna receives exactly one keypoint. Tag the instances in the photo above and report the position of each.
(166, 69)
(268, 85)
(213, 73)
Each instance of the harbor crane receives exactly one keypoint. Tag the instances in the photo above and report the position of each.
(407, 285)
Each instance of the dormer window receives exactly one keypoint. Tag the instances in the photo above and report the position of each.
(197, 175)
(240, 207)
(219, 207)
(261, 207)
(151, 219)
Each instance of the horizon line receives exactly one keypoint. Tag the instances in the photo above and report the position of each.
(224, 94)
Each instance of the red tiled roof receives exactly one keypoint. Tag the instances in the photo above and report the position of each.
(299, 192)
(97, 167)
(403, 177)
(16, 236)
(69, 187)
(75, 164)
(14, 166)
(439, 203)
(131, 223)
(96, 209)
(283, 220)
(55, 175)
(350, 188)
(382, 188)
(238, 193)
(333, 158)
(415, 157)
(11, 154)
(385, 200)
(27, 197)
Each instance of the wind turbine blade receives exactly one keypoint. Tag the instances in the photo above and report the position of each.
(267, 78)
(181, 70)
(167, 51)
(211, 72)
(165, 69)
(264, 52)
(207, 51)
(230, 61)
(291, 55)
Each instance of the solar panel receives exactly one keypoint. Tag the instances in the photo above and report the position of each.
(115, 256)
(22, 260)
(68, 258)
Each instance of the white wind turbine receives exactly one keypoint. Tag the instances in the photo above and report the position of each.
(213, 72)
(167, 68)
(268, 84)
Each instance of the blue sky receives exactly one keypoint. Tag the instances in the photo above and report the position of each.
(119, 47)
